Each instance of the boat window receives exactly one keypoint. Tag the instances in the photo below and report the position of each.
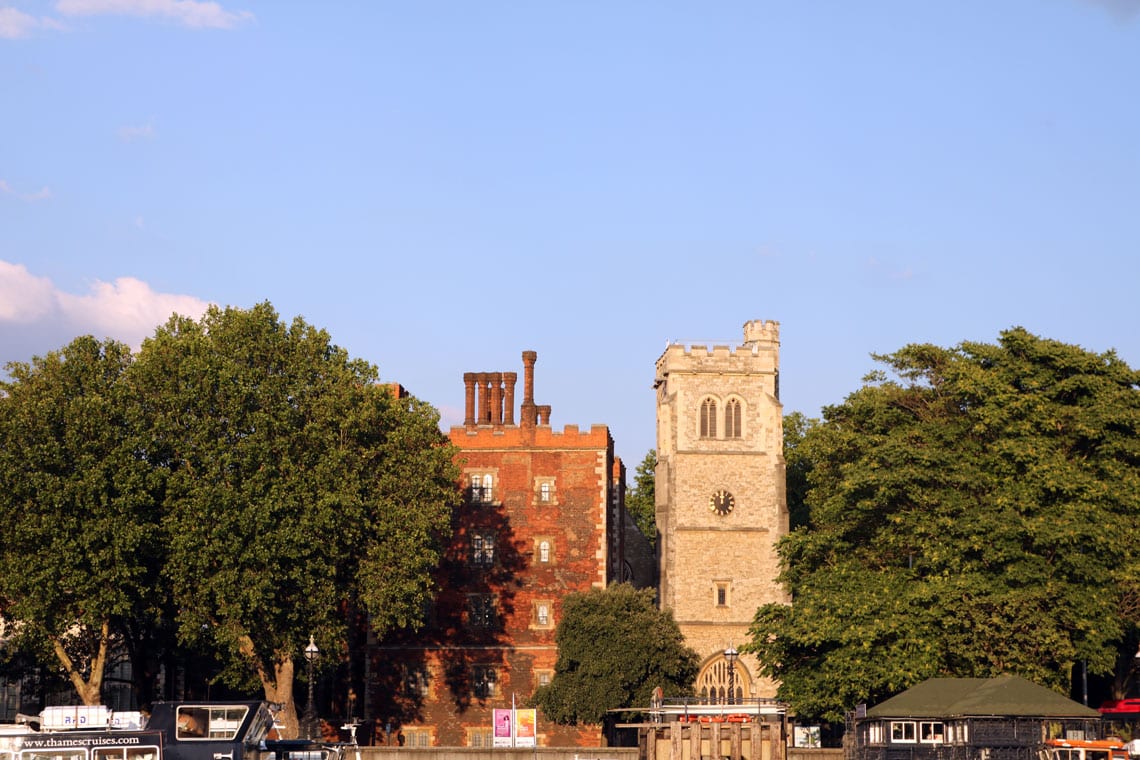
(53, 754)
(200, 722)
(123, 753)
(225, 721)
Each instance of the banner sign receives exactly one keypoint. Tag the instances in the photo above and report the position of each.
(525, 725)
(504, 728)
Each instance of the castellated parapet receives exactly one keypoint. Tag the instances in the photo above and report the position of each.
(758, 356)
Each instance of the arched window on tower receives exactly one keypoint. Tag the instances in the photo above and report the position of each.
(732, 419)
(708, 418)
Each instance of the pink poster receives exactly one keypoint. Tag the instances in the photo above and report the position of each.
(502, 728)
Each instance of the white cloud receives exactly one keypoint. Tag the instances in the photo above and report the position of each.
(42, 194)
(197, 14)
(15, 24)
(23, 297)
(37, 317)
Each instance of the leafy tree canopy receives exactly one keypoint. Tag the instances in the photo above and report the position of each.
(297, 485)
(796, 427)
(614, 647)
(80, 549)
(246, 473)
(641, 501)
(977, 515)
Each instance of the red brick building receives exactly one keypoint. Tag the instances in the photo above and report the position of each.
(543, 515)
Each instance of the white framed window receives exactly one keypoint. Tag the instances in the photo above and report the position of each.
(419, 738)
(903, 732)
(543, 614)
(543, 677)
(480, 737)
(483, 549)
(484, 681)
(544, 551)
(416, 680)
(931, 732)
(482, 487)
(544, 491)
(481, 610)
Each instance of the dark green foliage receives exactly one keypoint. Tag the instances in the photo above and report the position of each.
(241, 481)
(797, 467)
(297, 485)
(641, 501)
(977, 517)
(614, 648)
(80, 547)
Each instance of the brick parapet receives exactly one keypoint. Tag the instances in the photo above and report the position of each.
(540, 437)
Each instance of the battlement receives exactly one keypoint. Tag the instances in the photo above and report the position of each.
(760, 350)
(762, 331)
(539, 437)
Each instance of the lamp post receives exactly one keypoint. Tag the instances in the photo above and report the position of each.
(730, 656)
(309, 721)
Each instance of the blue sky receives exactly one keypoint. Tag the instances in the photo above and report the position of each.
(442, 185)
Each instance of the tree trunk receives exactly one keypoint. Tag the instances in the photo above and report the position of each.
(278, 686)
(283, 695)
(90, 690)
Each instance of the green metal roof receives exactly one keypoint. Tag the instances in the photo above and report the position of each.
(978, 697)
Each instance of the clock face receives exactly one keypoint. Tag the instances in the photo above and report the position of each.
(721, 502)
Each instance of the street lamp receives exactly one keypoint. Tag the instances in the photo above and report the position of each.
(309, 721)
(730, 656)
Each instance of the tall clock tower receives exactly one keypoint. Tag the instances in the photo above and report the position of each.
(721, 504)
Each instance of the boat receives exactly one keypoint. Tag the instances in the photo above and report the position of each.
(1090, 749)
(171, 731)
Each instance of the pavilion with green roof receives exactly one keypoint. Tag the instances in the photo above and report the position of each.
(1002, 718)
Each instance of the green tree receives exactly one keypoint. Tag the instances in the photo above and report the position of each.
(641, 501)
(978, 515)
(298, 488)
(614, 648)
(80, 551)
(797, 467)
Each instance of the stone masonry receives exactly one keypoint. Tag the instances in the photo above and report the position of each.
(718, 567)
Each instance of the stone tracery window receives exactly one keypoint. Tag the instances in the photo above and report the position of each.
(708, 418)
(732, 419)
(712, 683)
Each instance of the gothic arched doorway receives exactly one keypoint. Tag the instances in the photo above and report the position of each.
(717, 684)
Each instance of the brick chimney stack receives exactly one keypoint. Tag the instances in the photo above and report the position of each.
(529, 410)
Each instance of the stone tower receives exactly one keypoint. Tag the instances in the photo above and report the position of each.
(721, 502)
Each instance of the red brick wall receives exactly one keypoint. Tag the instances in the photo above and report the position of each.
(580, 466)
